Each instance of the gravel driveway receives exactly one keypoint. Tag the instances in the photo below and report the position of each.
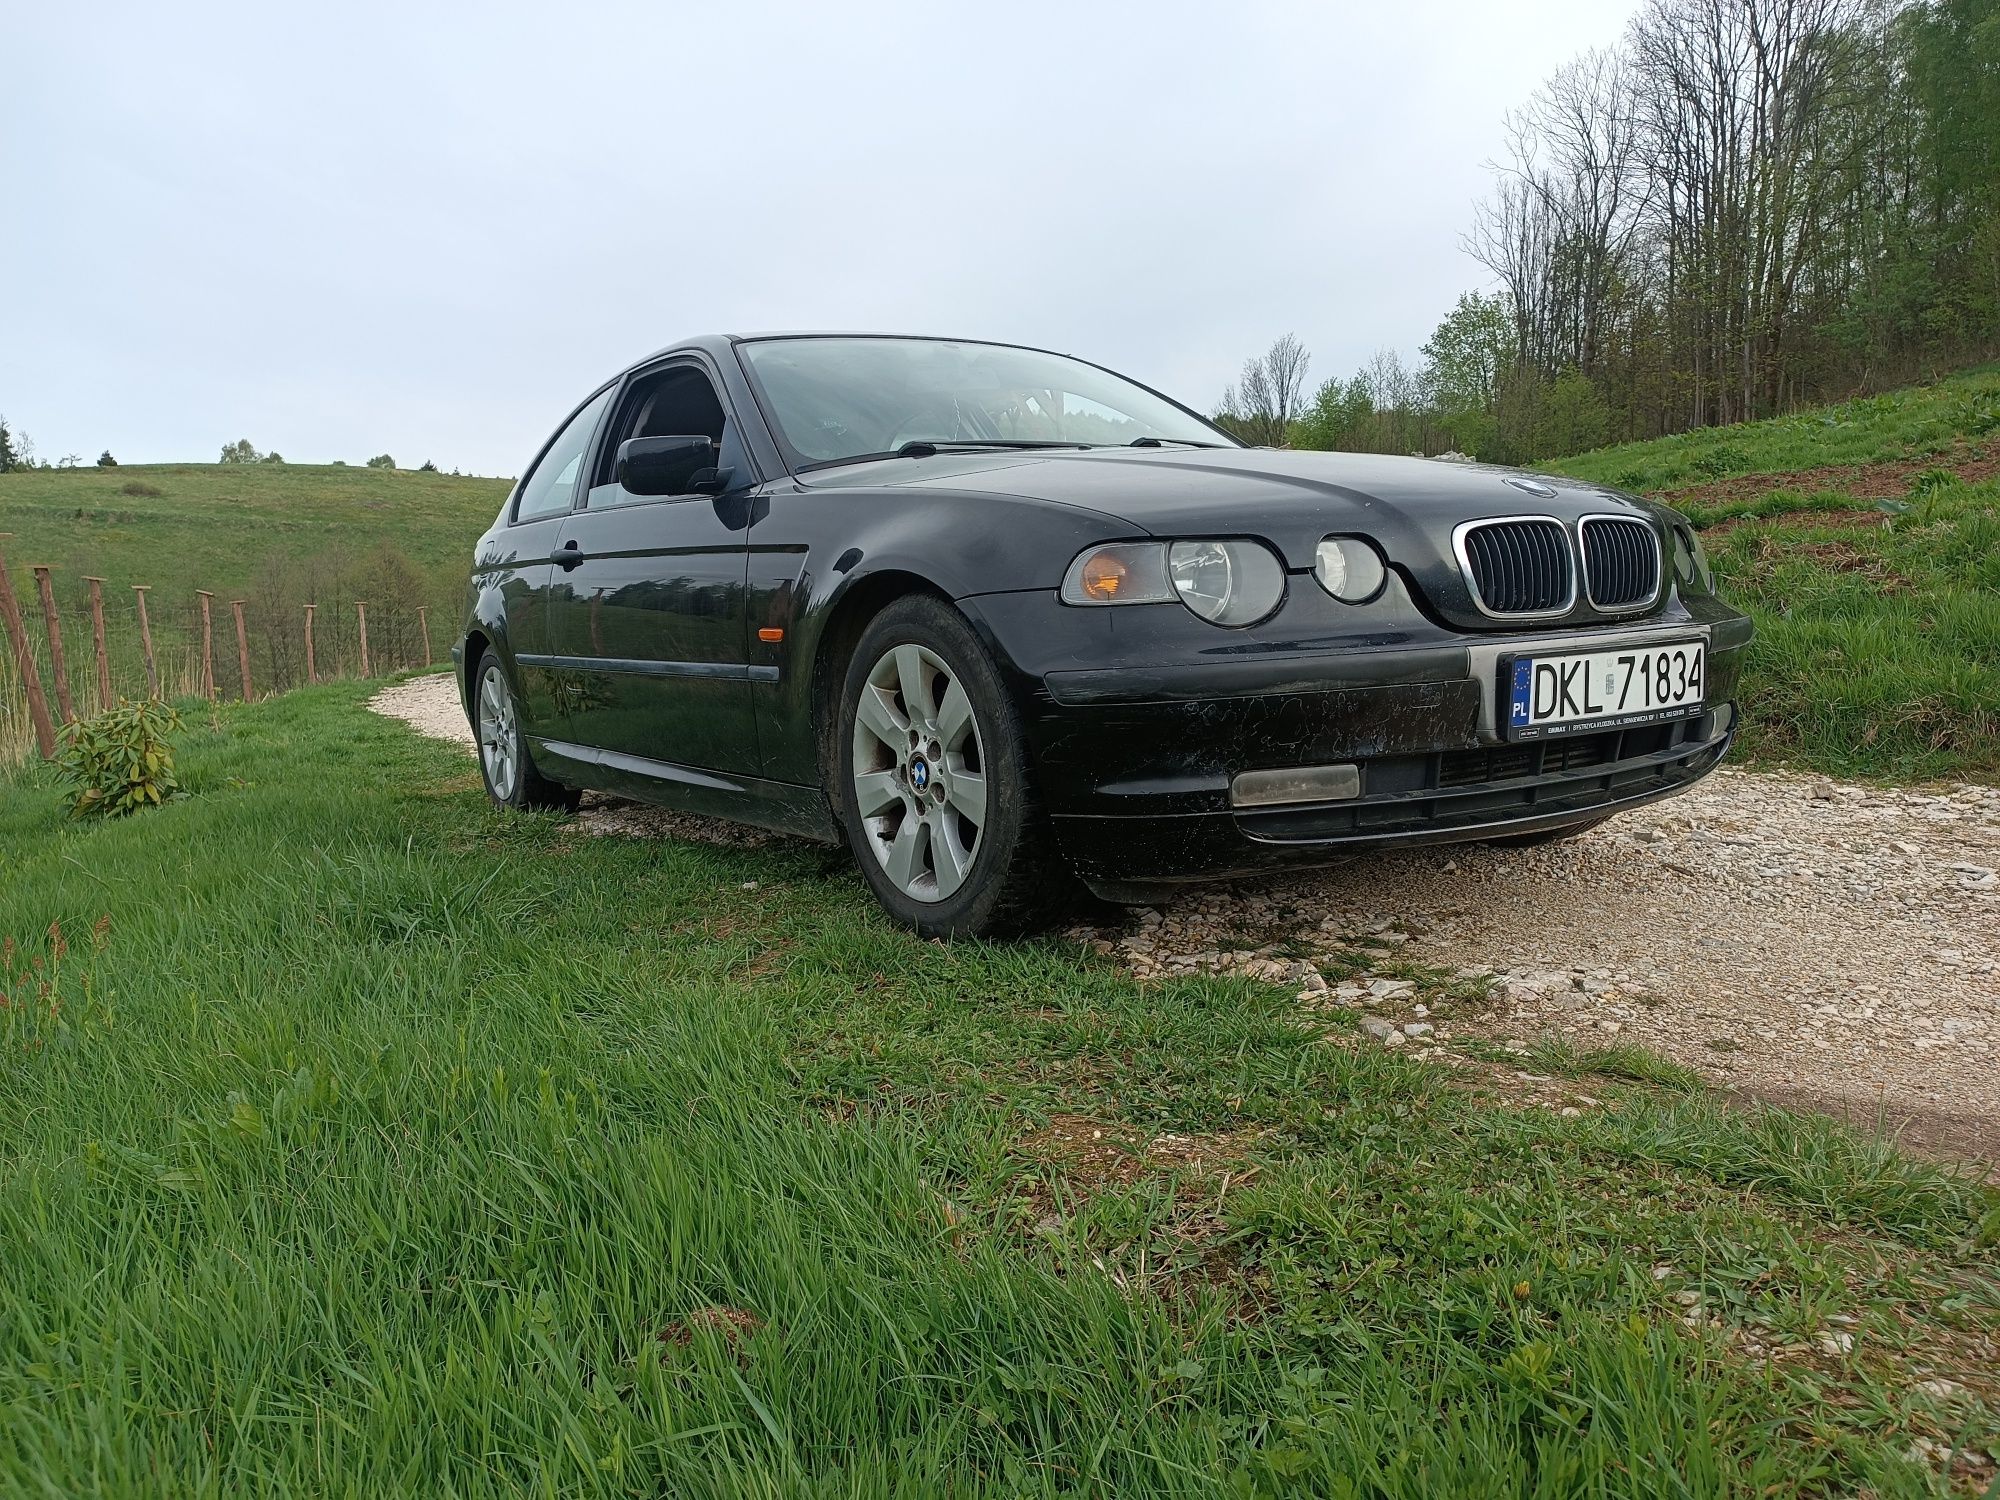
(1810, 941)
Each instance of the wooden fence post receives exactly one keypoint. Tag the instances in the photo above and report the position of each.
(242, 649)
(361, 614)
(57, 668)
(424, 627)
(146, 642)
(312, 674)
(104, 699)
(207, 648)
(24, 659)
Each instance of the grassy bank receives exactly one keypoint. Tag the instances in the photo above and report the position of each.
(1878, 636)
(1922, 421)
(378, 1145)
(1865, 541)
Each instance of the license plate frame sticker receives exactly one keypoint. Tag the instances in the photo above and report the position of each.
(1582, 692)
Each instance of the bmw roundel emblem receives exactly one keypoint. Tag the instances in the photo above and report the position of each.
(920, 774)
(1532, 486)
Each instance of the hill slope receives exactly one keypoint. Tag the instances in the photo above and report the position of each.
(1854, 447)
(277, 536)
(1865, 541)
(213, 525)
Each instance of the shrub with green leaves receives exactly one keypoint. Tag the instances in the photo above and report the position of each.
(120, 761)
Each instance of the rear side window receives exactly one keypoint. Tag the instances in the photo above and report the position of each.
(548, 490)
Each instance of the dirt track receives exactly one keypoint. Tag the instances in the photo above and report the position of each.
(1809, 941)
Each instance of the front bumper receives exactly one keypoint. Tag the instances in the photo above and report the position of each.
(1134, 761)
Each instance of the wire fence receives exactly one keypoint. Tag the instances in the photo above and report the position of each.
(73, 644)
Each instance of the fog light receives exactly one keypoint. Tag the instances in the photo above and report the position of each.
(1350, 569)
(1295, 784)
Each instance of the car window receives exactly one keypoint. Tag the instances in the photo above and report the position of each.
(548, 489)
(675, 402)
(841, 398)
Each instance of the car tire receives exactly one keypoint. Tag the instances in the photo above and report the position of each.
(939, 804)
(1560, 835)
(502, 746)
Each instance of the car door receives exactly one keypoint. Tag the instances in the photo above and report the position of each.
(647, 616)
(519, 556)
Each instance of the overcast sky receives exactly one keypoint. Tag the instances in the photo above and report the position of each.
(428, 230)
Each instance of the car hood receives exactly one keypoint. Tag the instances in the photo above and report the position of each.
(1407, 506)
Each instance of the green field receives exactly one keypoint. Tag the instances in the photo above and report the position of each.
(213, 526)
(278, 536)
(365, 1142)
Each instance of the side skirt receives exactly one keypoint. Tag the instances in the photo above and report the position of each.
(778, 805)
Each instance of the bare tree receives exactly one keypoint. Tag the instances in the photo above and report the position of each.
(1559, 228)
(1738, 94)
(1268, 397)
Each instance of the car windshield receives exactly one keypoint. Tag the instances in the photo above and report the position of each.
(837, 399)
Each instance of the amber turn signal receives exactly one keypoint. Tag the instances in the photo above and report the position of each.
(1118, 573)
(1103, 576)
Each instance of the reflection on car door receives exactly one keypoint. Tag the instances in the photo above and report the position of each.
(647, 622)
(519, 554)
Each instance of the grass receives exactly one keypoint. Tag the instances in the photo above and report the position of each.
(1878, 641)
(378, 1144)
(1912, 423)
(1878, 624)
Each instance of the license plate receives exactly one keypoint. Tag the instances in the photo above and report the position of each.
(1545, 696)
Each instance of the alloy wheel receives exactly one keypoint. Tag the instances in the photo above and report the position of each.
(498, 744)
(919, 772)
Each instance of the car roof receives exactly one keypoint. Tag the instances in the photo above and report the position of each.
(716, 344)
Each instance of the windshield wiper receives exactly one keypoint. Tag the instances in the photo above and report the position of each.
(1153, 442)
(927, 447)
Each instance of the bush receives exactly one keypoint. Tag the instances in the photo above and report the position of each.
(1722, 459)
(427, 467)
(239, 452)
(1928, 483)
(381, 461)
(106, 461)
(120, 761)
(140, 487)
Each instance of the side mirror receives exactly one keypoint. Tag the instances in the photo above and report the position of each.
(665, 465)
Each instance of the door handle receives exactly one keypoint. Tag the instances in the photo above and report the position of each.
(567, 556)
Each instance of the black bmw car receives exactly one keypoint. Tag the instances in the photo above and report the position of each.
(1004, 621)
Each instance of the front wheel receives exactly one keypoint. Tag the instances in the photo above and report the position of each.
(510, 776)
(936, 790)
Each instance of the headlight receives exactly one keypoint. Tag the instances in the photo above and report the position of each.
(1349, 569)
(1691, 570)
(1226, 583)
